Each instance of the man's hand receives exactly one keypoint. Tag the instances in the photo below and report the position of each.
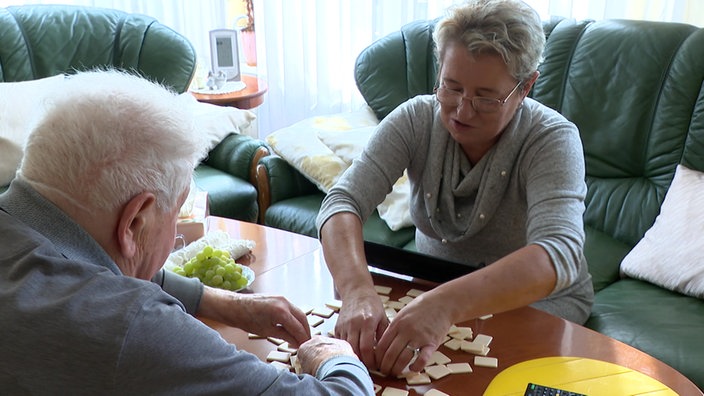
(267, 316)
(362, 321)
(318, 349)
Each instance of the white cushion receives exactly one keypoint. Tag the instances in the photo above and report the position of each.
(670, 254)
(214, 122)
(22, 105)
(322, 148)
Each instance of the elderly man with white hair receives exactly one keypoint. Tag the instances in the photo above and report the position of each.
(86, 226)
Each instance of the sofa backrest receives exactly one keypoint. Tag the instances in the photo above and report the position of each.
(397, 67)
(635, 90)
(631, 87)
(402, 65)
(38, 41)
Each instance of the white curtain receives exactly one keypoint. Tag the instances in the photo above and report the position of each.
(307, 48)
(687, 11)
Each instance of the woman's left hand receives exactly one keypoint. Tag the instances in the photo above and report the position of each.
(415, 332)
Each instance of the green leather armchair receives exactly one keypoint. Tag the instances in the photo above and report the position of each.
(38, 41)
(634, 89)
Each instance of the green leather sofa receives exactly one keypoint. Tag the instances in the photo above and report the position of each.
(634, 89)
(38, 41)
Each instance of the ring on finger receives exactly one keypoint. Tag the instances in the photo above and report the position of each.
(415, 351)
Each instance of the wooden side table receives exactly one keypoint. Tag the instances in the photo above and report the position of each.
(248, 98)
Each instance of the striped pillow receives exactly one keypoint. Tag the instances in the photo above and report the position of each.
(671, 253)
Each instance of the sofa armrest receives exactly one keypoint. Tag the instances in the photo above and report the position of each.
(277, 180)
(238, 155)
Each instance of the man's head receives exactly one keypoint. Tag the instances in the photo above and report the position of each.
(116, 153)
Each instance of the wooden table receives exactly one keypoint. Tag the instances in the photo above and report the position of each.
(248, 98)
(273, 248)
(292, 265)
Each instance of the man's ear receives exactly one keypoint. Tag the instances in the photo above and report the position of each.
(132, 221)
(527, 87)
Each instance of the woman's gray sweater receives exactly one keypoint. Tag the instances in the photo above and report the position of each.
(528, 189)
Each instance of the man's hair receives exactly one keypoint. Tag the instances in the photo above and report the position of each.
(108, 136)
(508, 28)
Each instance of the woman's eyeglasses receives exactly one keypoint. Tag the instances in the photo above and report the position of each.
(480, 104)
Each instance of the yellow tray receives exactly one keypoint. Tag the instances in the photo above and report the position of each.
(586, 376)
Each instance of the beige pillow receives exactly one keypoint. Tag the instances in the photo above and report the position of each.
(347, 145)
(301, 148)
(671, 253)
(322, 148)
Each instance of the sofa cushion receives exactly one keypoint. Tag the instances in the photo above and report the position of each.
(347, 145)
(602, 252)
(298, 214)
(228, 196)
(662, 323)
(375, 230)
(670, 254)
(322, 148)
(301, 146)
(214, 122)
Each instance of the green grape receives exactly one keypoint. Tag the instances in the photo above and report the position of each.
(242, 282)
(214, 267)
(236, 276)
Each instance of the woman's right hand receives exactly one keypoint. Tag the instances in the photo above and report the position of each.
(361, 322)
